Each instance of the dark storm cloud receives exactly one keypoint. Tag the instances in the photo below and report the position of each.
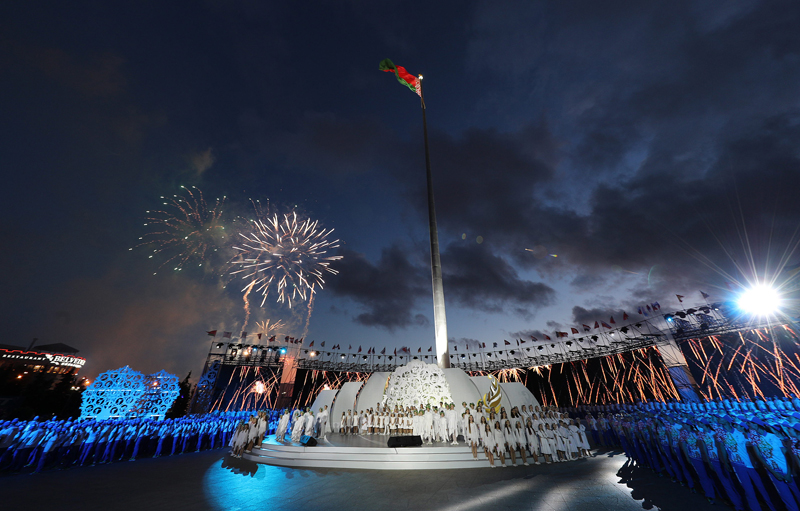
(387, 290)
(635, 225)
(490, 177)
(585, 281)
(582, 316)
(464, 342)
(648, 131)
(632, 139)
(478, 279)
(668, 142)
(473, 278)
(528, 334)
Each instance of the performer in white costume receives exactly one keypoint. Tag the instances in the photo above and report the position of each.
(322, 420)
(583, 440)
(565, 435)
(487, 439)
(427, 426)
(296, 414)
(532, 441)
(551, 442)
(510, 441)
(440, 427)
(252, 434)
(352, 422)
(521, 442)
(283, 425)
(263, 426)
(472, 436)
(452, 424)
(308, 421)
(498, 442)
(297, 429)
(347, 422)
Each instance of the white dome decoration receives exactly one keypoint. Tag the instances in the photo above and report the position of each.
(417, 383)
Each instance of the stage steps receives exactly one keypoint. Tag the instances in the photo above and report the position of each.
(370, 458)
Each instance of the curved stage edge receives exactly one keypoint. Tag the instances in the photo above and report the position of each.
(367, 452)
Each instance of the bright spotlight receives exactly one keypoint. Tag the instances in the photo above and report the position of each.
(760, 300)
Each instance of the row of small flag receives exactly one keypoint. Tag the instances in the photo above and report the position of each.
(644, 311)
(229, 335)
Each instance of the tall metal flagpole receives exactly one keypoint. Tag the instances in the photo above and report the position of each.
(439, 318)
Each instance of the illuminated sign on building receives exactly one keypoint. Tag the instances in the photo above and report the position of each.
(36, 358)
(65, 360)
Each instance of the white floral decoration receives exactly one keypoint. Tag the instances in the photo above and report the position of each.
(415, 384)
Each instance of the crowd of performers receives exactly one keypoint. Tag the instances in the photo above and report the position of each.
(733, 450)
(547, 436)
(40, 445)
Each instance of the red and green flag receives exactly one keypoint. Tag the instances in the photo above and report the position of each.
(403, 76)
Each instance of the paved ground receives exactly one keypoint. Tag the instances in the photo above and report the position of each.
(213, 481)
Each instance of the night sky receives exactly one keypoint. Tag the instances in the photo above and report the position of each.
(653, 148)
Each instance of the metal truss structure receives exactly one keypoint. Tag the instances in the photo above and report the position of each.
(664, 331)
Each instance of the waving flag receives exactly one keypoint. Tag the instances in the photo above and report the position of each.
(403, 76)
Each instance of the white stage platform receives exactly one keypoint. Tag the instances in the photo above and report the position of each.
(367, 452)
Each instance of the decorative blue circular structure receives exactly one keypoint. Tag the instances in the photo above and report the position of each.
(127, 393)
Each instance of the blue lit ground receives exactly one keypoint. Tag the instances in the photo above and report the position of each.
(213, 481)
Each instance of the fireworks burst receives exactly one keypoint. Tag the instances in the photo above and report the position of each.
(186, 231)
(288, 256)
(749, 364)
(269, 328)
